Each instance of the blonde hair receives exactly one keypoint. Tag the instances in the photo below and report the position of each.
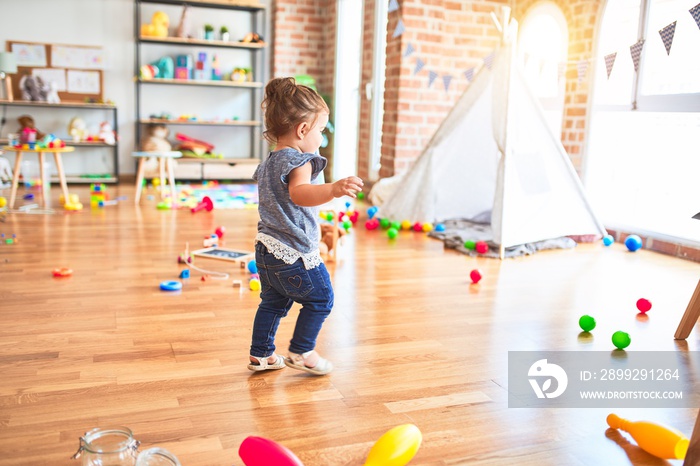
(287, 104)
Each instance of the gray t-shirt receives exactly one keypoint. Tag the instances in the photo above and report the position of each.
(288, 230)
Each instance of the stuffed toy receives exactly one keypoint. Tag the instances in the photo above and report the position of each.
(77, 129)
(52, 96)
(158, 26)
(326, 244)
(155, 139)
(26, 121)
(33, 88)
(107, 133)
(252, 38)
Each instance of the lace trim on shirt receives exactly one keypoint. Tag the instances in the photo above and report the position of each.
(288, 255)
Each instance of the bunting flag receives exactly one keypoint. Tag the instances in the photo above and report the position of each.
(393, 6)
(400, 29)
(446, 80)
(636, 51)
(695, 13)
(432, 75)
(469, 74)
(409, 50)
(582, 67)
(419, 66)
(667, 34)
(610, 62)
(488, 60)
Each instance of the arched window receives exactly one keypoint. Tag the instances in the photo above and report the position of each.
(642, 157)
(542, 47)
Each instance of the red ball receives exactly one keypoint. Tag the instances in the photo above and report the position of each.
(643, 305)
(417, 227)
(372, 224)
(481, 247)
(220, 231)
(475, 275)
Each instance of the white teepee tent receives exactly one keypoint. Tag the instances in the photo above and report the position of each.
(494, 153)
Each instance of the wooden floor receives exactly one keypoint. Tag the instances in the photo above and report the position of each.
(411, 339)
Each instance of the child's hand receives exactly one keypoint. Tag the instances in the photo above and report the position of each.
(349, 186)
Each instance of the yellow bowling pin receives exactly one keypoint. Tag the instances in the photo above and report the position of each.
(396, 447)
(663, 442)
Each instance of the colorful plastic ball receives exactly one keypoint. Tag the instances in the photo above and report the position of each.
(385, 223)
(371, 212)
(475, 275)
(392, 233)
(372, 224)
(608, 240)
(481, 247)
(469, 244)
(252, 267)
(347, 224)
(633, 242)
(417, 226)
(3, 202)
(355, 215)
(587, 323)
(254, 284)
(643, 305)
(220, 231)
(360, 195)
(621, 340)
(396, 225)
(439, 227)
(329, 216)
(427, 227)
(406, 225)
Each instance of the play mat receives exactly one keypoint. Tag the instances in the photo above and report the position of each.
(224, 196)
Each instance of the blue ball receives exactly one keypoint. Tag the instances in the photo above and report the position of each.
(608, 240)
(371, 212)
(439, 227)
(633, 242)
(252, 267)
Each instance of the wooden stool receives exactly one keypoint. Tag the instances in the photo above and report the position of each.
(690, 318)
(164, 162)
(40, 152)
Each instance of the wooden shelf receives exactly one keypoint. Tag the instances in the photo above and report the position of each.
(201, 122)
(224, 4)
(72, 144)
(201, 42)
(193, 82)
(26, 103)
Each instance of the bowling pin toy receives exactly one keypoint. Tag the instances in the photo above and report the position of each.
(660, 441)
(396, 447)
(259, 451)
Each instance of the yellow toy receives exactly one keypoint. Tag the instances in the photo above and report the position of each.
(396, 447)
(158, 27)
(660, 441)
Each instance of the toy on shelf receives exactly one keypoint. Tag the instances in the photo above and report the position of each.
(224, 34)
(191, 147)
(33, 88)
(252, 38)
(184, 24)
(27, 121)
(183, 67)
(107, 134)
(164, 68)
(50, 142)
(215, 69)
(242, 75)
(208, 32)
(28, 137)
(201, 68)
(52, 95)
(77, 129)
(656, 439)
(158, 26)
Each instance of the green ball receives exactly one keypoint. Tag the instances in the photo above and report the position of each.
(621, 339)
(360, 195)
(587, 323)
(392, 233)
(396, 225)
(385, 223)
(329, 216)
(469, 244)
(347, 224)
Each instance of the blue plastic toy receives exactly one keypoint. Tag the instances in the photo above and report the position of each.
(633, 242)
(439, 227)
(371, 212)
(608, 240)
(185, 273)
(171, 286)
(252, 267)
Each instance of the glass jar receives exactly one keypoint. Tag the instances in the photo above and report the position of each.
(157, 457)
(108, 446)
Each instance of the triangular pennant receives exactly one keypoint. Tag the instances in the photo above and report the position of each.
(469, 74)
(393, 5)
(695, 13)
(582, 67)
(667, 34)
(432, 75)
(610, 62)
(488, 60)
(419, 66)
(636, 52)
(446, 80)
(409, 50)
(400, 29)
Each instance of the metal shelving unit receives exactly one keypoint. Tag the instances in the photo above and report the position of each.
(257, 51)
(114, 176)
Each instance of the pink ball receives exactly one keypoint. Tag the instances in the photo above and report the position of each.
(417, 227)
(643, 305)
(475, 275)
(481, 247)
(372, 224)
(220, 231)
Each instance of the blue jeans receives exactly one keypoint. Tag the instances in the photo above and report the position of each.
(281, 285)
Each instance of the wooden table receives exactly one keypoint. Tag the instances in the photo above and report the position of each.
(59, 166)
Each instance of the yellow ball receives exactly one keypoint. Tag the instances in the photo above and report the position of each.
(406, 225)
(3, 202)
(254, 284)
(155, 182)
(427, 227)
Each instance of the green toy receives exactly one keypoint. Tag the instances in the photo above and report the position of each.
(470, 244)
(587, 323)
(621, 339)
